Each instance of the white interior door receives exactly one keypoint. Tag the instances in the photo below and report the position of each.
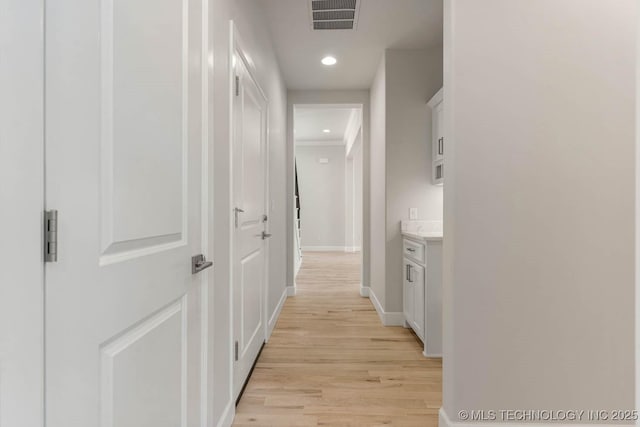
(21, 202)
(249, 243)
(124, 344)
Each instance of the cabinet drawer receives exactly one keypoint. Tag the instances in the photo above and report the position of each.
(413, 250)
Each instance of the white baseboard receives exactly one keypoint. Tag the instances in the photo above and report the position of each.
(432, 356)
(388, 318)
(291, 291)
(364, 291)
(226, 420)
(352, 249)
(445, 421)
(323, 249)
(276, 313)
(376, 304)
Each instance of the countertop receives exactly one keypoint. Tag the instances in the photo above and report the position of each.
(425, 236)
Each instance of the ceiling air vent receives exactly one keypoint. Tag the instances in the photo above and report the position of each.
(334, 14)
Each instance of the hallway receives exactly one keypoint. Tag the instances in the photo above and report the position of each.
(330, 361)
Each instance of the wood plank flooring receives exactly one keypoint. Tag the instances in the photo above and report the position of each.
(330, 362)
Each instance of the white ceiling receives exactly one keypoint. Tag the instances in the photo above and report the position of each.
(309, 124)
(395, 24)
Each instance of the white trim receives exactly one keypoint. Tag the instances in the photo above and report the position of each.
(291, 291)
(324, 249)
(376, 304)
(207, 278)
(229, 413)
(364, 291)
(353, 127)
(637, 225)
(276, 314)
(327, 105)
(230, 236)
(445, 421)
(331, 249)
(388, 318)
(432, 355)
(436, 99)
(320, 143)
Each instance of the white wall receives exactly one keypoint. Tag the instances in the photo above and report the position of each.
(539, 204)
(322, 196)
(355, 181)
(348, 204)
(412, 78)
(401, 161)
(318, 97)
(248, 16)
(377, 201)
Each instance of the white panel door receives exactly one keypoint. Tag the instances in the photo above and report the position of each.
(125, 344)
(21, 205)
(249, 193)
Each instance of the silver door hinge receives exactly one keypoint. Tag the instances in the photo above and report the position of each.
(235, 350)
(237, 85)
(51, 236)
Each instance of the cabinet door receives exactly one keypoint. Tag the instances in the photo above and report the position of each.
(407, 289)
(418, 276)
(438, 132)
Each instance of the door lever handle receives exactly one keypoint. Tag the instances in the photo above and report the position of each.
(199, 263)
(265, 235)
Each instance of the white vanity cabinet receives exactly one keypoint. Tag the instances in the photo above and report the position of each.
(422, 289)
(437, 137)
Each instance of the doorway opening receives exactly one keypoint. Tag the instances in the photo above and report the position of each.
(328, 183)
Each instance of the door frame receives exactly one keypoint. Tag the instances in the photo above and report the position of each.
(206, 217)
(237, 46)
(22, 275)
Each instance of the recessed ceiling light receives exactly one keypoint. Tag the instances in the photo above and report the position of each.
(329, 60)
(327, 131)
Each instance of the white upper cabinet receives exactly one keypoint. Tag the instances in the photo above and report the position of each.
(437, 137)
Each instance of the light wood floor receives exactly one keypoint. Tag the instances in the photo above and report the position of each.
(330, 362)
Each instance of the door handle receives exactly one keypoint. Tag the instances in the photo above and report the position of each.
(409, 278)
(199, 263)
(266, 235)
(441, 146)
